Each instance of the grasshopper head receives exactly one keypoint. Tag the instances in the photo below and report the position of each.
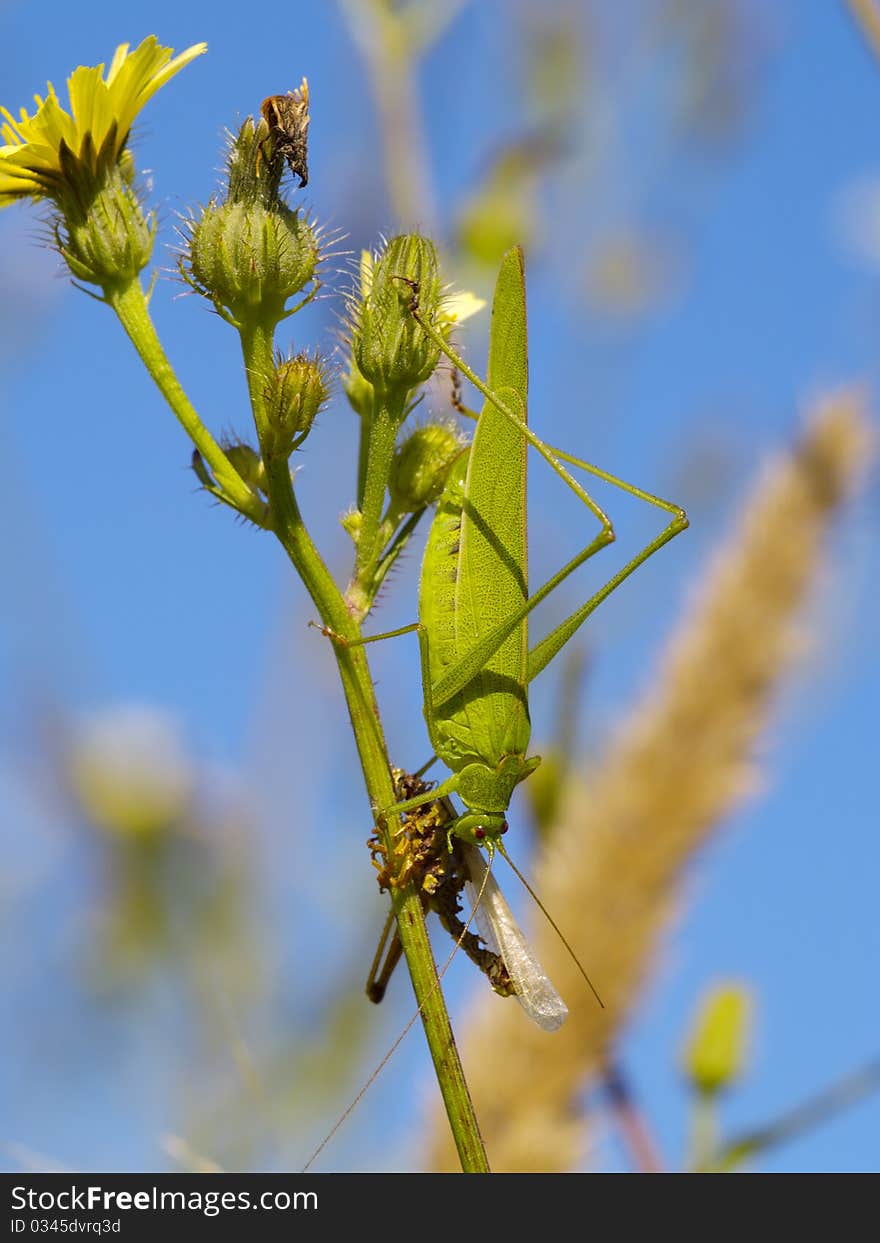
(480, 828)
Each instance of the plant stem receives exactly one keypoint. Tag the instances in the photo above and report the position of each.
(357, 685)
(632, 1123)
(848, 1091)
(388, 413)
(390, 54)
(130, 304)
(703, 1130)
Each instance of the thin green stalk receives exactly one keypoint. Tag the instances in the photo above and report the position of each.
(390, 54)
(130, 304)
(703, 1130)
(848, 1091)
(366, 427)
(388, 412)
(363, 710)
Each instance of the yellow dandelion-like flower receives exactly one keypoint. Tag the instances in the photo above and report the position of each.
(40, 152)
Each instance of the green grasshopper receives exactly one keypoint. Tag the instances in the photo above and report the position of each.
(474, 602)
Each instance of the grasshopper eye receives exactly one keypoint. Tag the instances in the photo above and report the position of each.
(504, 827)
(479, 834)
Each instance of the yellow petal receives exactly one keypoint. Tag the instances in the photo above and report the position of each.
(98, 105)
(461, 306)
(366, 273)
(118, 61)
(174, 66)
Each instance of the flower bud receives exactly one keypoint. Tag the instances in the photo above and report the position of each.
(103, 235)
(251, 469)
(351, 522)
(715, 1053)
(389, 346)
(421, 466)
(251, 259)
(295, 392)
(251, 177)
(248, 463)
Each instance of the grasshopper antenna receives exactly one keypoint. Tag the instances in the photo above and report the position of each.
(551, 921)
(387, 1058)
(421, 772)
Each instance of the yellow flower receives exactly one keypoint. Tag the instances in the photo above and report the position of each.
(40, 152)
(716, 1049)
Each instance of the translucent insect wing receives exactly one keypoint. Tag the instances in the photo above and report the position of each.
(503, 936)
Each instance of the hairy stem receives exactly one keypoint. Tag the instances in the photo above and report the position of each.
(363, 711)
(388, 413)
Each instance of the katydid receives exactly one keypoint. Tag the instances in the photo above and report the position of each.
(474, 602)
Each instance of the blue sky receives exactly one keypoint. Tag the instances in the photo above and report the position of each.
(125, 585)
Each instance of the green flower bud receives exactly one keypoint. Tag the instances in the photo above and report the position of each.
(421, 466)
(251, 176)
(715, 1053)
(104, 235)
(389, 346)
(295, 392)
(352, 521)
(248, 463)
(250, 260)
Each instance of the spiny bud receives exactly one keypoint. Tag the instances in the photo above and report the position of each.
(251, 259)
(252, 178)
(248, 463)
(715, 1052)
(351, 522)
(421, 466)
(389, 346)
(295, 392)
(251, 253)
(250, 467)
(104, 236)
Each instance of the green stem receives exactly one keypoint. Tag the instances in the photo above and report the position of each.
(130, 304)
(388, 414)
(703, 1131)
(357, 685)
(366, 427)
(390, 53)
